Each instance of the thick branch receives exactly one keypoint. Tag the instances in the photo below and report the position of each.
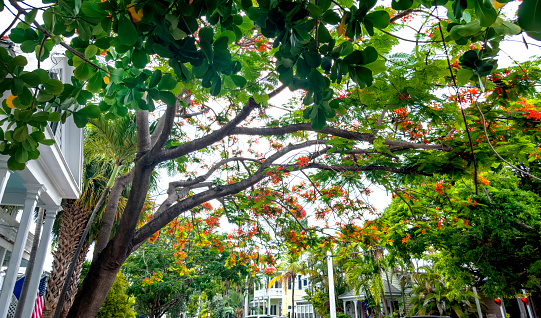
(215, 193)
(166, 126)
(143, 132)
(176, 184)
(109, 214)
(200, 143)
(365, 137)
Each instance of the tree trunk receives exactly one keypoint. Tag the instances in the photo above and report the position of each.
(30, 265)
(72, 226)
(103, 271)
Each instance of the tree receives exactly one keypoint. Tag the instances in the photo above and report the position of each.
(431, 296)
(177, 263)
(379, 118)
(118, 304)
(290, 269)
(487, 240)
(107, 145)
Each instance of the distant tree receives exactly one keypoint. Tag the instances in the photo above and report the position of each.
(118, 304)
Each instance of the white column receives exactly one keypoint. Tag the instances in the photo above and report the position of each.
(2, 255)
(43, 249)
(529, 304)
(502, 308)
(477, 304)
(356, 310)
(4, 177)
(32, 194)
(331, 285)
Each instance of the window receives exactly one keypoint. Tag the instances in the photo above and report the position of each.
(305, 282)
(289, 283)
(300, 282)
(273, 310)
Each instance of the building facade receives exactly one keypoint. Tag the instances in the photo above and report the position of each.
(55, 175)
(279, 299)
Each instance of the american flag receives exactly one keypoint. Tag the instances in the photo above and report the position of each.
(38, 305)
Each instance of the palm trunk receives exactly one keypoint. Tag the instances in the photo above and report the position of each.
(74, 283)
(71, 227)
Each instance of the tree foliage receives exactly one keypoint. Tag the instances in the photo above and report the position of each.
(118, 303)
(489, 240)
(175, 264)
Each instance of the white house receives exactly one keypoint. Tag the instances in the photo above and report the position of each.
(55, 175)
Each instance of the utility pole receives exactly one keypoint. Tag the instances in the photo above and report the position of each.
(331, 285)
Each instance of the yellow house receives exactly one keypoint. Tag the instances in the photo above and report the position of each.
(277, 300)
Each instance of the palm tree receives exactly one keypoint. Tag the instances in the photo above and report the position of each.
(432, 296)
(290, 269)
(234, 304)
(108, 145)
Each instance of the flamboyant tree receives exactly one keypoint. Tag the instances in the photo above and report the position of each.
(212, 70)
(488, 240)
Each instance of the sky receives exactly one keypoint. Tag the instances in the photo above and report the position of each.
(379, 197)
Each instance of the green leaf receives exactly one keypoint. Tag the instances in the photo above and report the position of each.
(317, 118)
(377, 66)
(19, 60)
(401, 4)
(139, 58)
(168, 98)
(485, 12)
(369, 55)
(95, 83)
(48, 142)
(507, 28)
(91, 110)
(54, 86)
(246, 4)
(380, 19)
(155, 79)
(167, 82)
(29, 46)
(529, 18)
(15, 165)
(127, 33)
(323, 35)
(230, 36)
(463, 76)
(239, 80)
(91, 51)
(31, 79)
(83, 72)
(21, 133)
(30, 16)
(117, 75)
(216, 86)
(80, 119)
(206, 35)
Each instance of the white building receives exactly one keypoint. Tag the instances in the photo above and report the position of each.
(55, 175)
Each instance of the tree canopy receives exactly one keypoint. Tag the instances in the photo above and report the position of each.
(359, 110)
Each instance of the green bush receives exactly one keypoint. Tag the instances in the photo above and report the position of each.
(118, 304)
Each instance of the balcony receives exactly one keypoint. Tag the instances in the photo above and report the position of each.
(265, 293)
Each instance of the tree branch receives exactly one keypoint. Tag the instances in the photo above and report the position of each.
(351, 135)
(200, 143)
(166, 121)
(214, 193)
(143, 132)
